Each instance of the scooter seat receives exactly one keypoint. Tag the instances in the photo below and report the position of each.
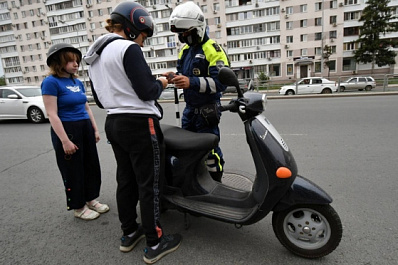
(177, 138)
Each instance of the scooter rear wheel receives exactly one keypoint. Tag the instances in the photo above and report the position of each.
(309, 231)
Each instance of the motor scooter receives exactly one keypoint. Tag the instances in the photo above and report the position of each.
(302, 218)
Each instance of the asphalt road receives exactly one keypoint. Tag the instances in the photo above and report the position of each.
(347, 145)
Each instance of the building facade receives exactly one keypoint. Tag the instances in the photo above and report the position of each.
(284, 39)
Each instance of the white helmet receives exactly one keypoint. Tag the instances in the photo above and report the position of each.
(188, 16)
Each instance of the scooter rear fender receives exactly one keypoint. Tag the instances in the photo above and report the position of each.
(303, 191)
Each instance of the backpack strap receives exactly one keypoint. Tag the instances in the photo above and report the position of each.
(99, 104)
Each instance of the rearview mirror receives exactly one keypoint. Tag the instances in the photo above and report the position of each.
(13, 96)
(227, 77)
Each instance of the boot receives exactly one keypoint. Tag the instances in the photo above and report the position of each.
(216, 176)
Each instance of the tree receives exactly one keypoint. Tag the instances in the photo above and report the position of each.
(2, 81)
(376, 18)
(327, 51)
(263, 78)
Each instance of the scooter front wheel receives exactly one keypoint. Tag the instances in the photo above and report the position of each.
(309, 231)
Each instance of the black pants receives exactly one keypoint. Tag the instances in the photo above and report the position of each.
(81, 171)
(137, 143)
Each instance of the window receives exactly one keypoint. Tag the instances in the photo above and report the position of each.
(318, 35)
(303, 37)
(331, 65)
(352, 31)
(6, 92)
(272, 26)
(289, 39)
(318, 51)
(303, 8)
(289, 10)
(332, 34)
(318, 21)
(348, 64)
(274, 70)
(318, 6)
(216, 6)
(272, 11)
(350, 2)
(303, 23)
(303, 52)
(333, 4)
(289, 53)
(289, 25)
(275, 39)
(349, 46)
(317, 67)
(333, 20)
(289, 69)
(352, 16)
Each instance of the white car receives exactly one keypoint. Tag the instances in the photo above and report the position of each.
(22, 102)
(310, 85)
(168, 93)
(358, 82)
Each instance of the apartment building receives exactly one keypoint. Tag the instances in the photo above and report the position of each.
(284, 39)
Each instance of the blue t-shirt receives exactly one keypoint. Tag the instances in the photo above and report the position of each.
(71, 99)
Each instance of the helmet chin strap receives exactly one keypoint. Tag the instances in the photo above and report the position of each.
(130, 35)
(128, 32)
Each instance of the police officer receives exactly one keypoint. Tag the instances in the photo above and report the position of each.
(198, 64)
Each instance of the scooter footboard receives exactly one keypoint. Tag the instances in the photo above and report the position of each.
(303, 191)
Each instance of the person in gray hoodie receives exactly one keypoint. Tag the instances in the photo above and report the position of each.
(123, 84)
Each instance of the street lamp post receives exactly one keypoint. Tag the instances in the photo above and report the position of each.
(322, 38)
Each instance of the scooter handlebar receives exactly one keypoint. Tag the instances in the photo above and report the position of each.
(232, 106)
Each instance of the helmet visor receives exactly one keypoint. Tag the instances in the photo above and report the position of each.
(173, 28)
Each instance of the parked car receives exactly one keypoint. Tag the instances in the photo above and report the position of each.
(22, 102)
(168, 93)
(243, 84)
(358, 82)
(310, 85)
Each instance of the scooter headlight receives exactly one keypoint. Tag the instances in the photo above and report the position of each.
(256, 102)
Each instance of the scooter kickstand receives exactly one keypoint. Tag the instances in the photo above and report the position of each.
(187, 222)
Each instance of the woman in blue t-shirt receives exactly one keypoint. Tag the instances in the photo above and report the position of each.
(74, 133)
